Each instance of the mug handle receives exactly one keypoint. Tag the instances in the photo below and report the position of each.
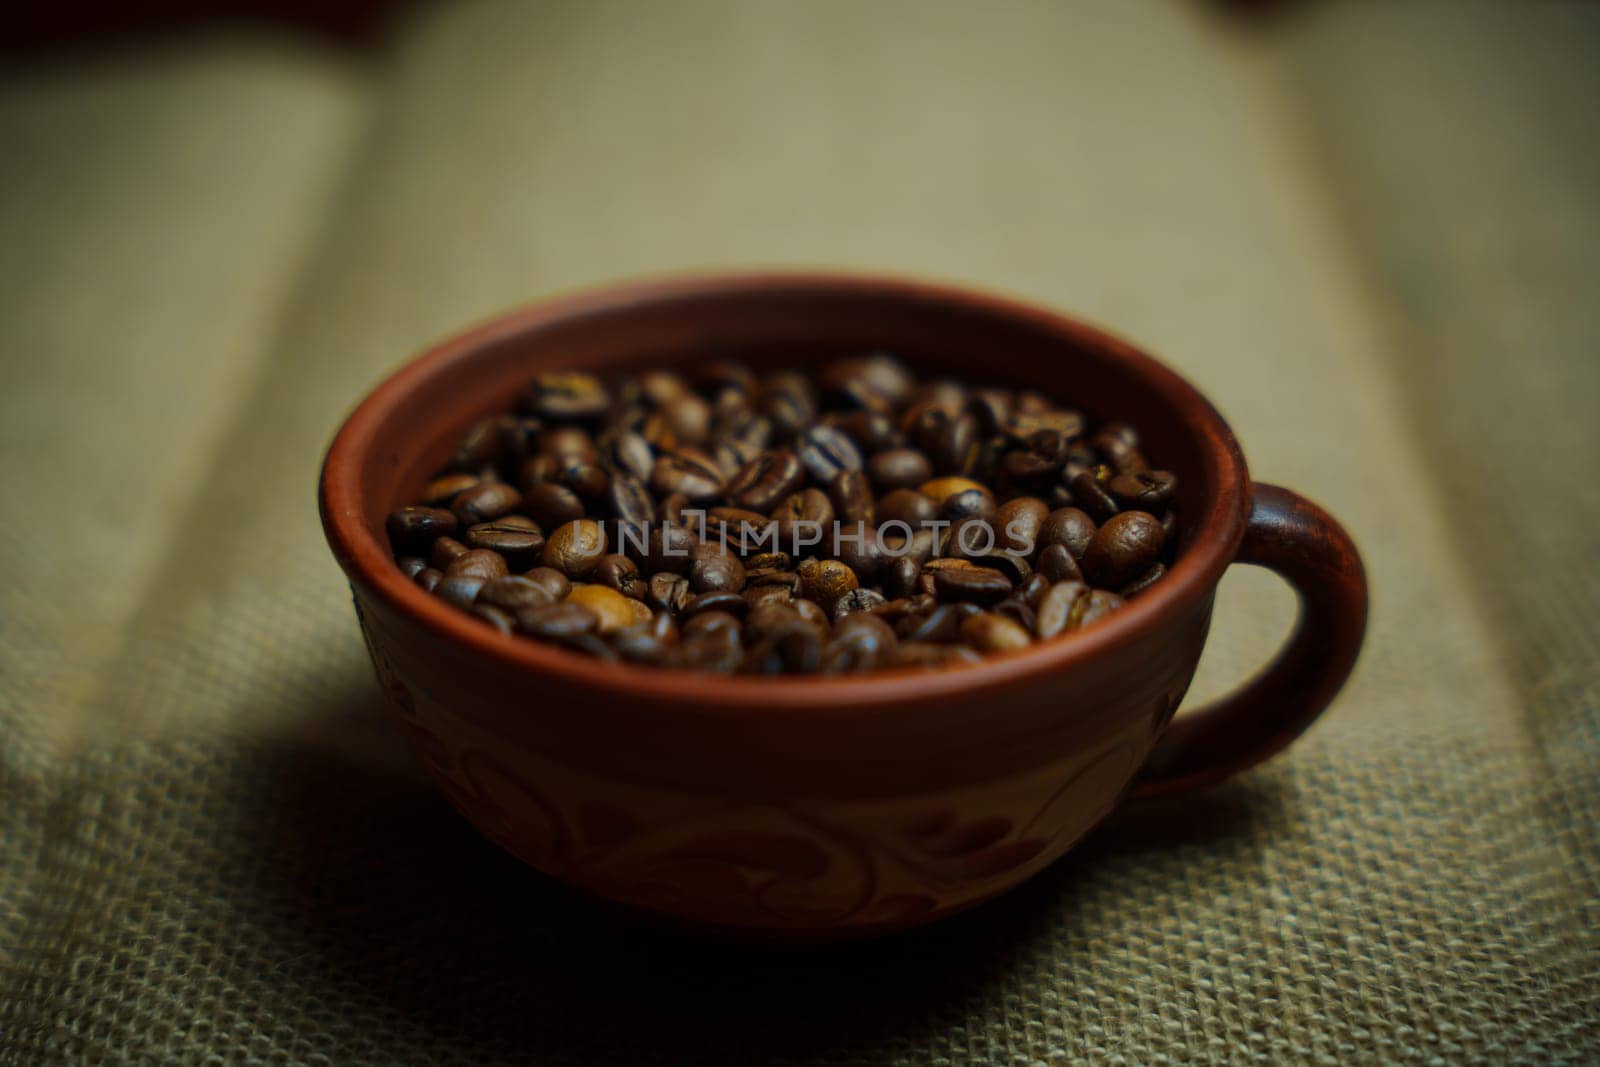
(1287, 534)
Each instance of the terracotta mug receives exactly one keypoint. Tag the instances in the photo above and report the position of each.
(828, 807)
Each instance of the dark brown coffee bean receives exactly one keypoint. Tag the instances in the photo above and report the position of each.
(497, 617)
(439, 492)
(1124, 548)
(411, 566)
(810, 507)
(478, 563)
(1023, 424)
(787, 400)
(554, 582)
(646, 642)
(413, 529)
(1101, 603)
(667, 547)
(878, 382)
(1057, 565)
(969, 504)
(740, 530)
(955, 449)
(514, 537)
(557, 621)
(853, 503)
(552, 505)
(711, 653)
(980, 585)
(938, 626)
(1060, 609)
(1169, 525)
(1144, 490)
(991, 632)
(826, 580)
(566, 445)
(899, 468)
(1024, 472)
(1018, 522)
(1015, 607)
(906, 506)
(766, 480)
(480, 445)
(630, 501)
(428, 579)
(1093, 497)
(1011, 564)
(774, 618)
(859, 549)
(721, 573)
(777, 561)
(710, 621)
(1033, 590)
(567, 396)
(789, 581)
(575, 549)
(484, 502)
(668, 591)
(460, 589)
(514, 592)
(444, 552)
(1118, 445)
(1143, 582)
(687, 418)
(917, 654)
(919, 546)
(826, 452)
(857, 600)
(900, 576)
(860, 642)
(687, 471)
(616, 571)
(1067, 526)
(627, 452)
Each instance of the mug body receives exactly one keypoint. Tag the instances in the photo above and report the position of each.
(795, 808)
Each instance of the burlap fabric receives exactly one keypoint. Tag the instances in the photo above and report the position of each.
(1370, 235)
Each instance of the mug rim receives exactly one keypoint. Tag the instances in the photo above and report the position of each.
(369, 564)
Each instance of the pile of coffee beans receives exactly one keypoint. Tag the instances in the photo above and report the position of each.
(846, 519)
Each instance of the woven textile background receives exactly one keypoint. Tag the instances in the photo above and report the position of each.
(213, 848)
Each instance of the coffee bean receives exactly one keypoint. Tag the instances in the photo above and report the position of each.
(709, 622)
(900, 576)
(1123, 549)
(615, 571)
(1061, 609)
(1018, 522)
(917, 654)
(728, 603)
(954, 451)
(899, 468)
(611, 609)
(480, 445)
(515, 592)
(981, 585)
(879, 383)
(444, 552)
(857, 600)
(1021, 425)
(813, 613)
(941, 625)
(1067, 526)
(567, 396)
(566, 445)
(552, 505)
(627, 452)
(413, 529)
(557, 621)
(515, 537)
(778, 561)
(1013, 565)
(428, 579)
(1143, 582)
(411, 566)
(1017, 608)
(478, 563)
(668, 591)
(859, 549)
(968, 504)
(1145, 490)
(630, 501)
(666, 548)
(575, 548)
(1118, 445)
(445, 488)
(460, 589)
(787, 400)
(1101, 604)
(851, 494)
(721, 573)
(553, 581)
(826, 580)
(498, 618)
(826, 452)
(991, 632)
(766, 480)
(1057, 565)
(809, 511)
(687, 471)
(906, 506)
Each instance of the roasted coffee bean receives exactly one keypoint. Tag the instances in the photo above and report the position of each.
(444, 552)
(612, 610)
(1013, 565)
(497, 617)
(762, 594)
(981, 585)
(554, 582)
(906, 506)
(576, 548)
(552, 505)
(878, 383)
(776, 561)
(411, 566)
(991, 632)
(565, 445)
(860, 550)
(917, 654)
(1033, 590)
(1144, 490)
(860, 642)
(1143, 582)
(941, 490)
(667, 547)
(413, 529)
(900, 576)
(648, 641)
(721, 573)
(428, 579)
(484, 502)
(826, 452)
(1057, 565)
(1123, 549)
(567, 396)
(515, 537)
(1060, 609)
(808, 511)
(515, 592)
(919, 546)
(787, 400)
(851, 494)
(1024, 472)
(460, 589)
(480, 445)
(477, 563)
(1093, 497)
(968, 504)
(1067, 526)
(766, 480)
(826, 580)
(688, 418)
(616, 571)
(1169, 525)
(857, 600)
(739, 529)
(872, 431)
(1017, 608)
(445, 488)
(955, 450)
(557, 621)
(941, 625)
(591, 645)
(630, 501)
(968, 538)
(627, 452)
(708, 622)
(668, 592)
(722, 601)
(1101, 603)
(1023, 424)
(899, 468)
(1018, 522)
(1118, 445)
(687, 471)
